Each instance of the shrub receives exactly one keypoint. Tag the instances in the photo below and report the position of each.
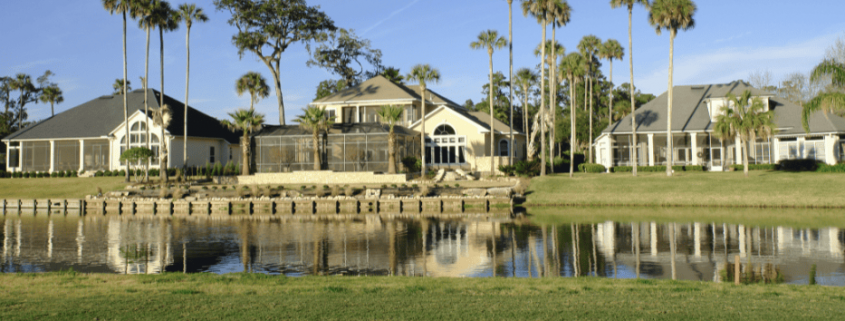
(394, 185)
(98, 174)
(756, 167)
(348, 191)
(561, 164)
(39, 175)
(54, 174)
(412, 164)
(122, 173)
(508, 170)
(591, 168)
(526, 168)
(657, 169)
(383, 186)
(224, 187)
(335, 190)
(424, 191)
(255, 190)
(62, 174)
(825, 168)
(798, 165)
(155, 173)
(303, 187)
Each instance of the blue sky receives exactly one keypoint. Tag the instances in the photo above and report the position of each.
(81, 43)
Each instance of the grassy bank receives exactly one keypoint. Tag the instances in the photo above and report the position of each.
(57, 187)
(761, 188)
(255, 296)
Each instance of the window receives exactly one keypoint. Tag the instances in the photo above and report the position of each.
(211, 157)
(138, 138)
(504, 147)
(330, 114)
(445, 147)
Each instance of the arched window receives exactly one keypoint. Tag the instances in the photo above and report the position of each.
(444, 130)
(445, 147)
(138, 138)
(504, 147)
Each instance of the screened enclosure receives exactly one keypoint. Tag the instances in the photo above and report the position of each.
(359, 147)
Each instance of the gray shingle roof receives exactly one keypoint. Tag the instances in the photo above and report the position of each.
(98, 117)
(483, 119)
(346, 128)
(689, 112)
(380, 88)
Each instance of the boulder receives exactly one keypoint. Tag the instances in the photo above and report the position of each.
(440, 174)
(372, 193)
(451, 177)
(500, 191)
(475, 192)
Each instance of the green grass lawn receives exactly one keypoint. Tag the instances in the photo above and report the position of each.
(67, 296)
(761, 188)
(31, 188)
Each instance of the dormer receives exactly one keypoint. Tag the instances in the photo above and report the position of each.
(714, 105)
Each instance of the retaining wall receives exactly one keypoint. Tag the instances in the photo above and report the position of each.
(321, 178)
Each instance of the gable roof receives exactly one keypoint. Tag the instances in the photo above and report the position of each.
(477, 118)
(98, 117)
(690, 114)
(344, 128)
(380, 88)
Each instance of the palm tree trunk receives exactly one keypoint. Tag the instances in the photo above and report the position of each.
(245, 154)
(610, 105)
(590, 115)
(161, 97)
(525, 115)
(187, 82)
(510, 92)
(745, 157)
(490, 104)
(391, 152)
(162, 165)
(669, 150)
(572, 125)
(631, 89)
(52, 111)
(146, 103)
(422, 130)
(316, 150)
(552, 99)
(543, 103)
(125, 103)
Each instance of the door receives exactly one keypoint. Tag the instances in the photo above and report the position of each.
(716, 159)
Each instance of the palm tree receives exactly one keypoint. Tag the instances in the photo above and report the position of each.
(52, 94)
(390, 115)
(491, 41)
(611, 49)
(510, 75)
(122, 7)
(525, 78)
(163, 17)
(829, 101)
(393, 74)
(423, 73)
(560, 13)
(744, 121)
(255, 84)
(120, 87)
(571, 65)
(161, 118)
(22, 83)
(245, 120)
(553, 48)
(671, 15)
(539, 9)
(630, 5)
(143, 11)
(315, 119)
(589, 46)
(188, 13)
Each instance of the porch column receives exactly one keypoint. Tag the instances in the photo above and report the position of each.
(775, 150)
(8, 151)
(694, 145)
(829, 150)
(801, 151)
(357, 114)
(650, 149)
(81, 155)
(20, 157)
(52, 155)
(738, 154)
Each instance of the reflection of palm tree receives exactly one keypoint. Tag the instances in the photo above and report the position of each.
(671, 15)
(491, 41)
(630, 5)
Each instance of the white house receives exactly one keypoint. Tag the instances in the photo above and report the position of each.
(694, 112)
(91, 137)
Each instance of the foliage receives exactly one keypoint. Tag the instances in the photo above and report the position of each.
(118, 86)
(394, 75)
(328, 87)
(527, 168)
(342, 52)
(657, 169)
(825, 168)
(253, 83)
(138, 157)
(317, 121)
(798, 165)
(411, 164)
(246, 121)
(592, 168)
(756, 167)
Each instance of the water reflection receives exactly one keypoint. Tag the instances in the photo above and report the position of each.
(370, 245)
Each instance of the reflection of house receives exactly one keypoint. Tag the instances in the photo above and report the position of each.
(91, 137)
(694, 112)
(456, 138)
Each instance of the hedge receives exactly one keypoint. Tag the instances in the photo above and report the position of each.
(756, 167)
(657, 169)
(591, 168)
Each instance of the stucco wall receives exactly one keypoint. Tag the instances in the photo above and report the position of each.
(322, 177)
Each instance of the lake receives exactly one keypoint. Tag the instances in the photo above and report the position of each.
(435, 247)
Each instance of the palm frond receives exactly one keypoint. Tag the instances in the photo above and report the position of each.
(825, 102)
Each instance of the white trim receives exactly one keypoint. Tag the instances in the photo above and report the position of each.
(499, 145)
(47, 139)
(360, 102)
(480, 128)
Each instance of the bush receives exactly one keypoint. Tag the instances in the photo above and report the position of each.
(657, 169)
(825, 168)
(561, 164)
(61, 174)
(54, 174)
(526, 168)
(508, 170)
(591, 168)
(798, 165)
(121, 173)
(756, 167)
(412, 164)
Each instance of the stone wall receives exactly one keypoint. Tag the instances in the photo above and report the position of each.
(322, 177)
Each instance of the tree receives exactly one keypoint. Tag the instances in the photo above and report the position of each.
(328, 87)
(828, 101)
(165, 18)
(119, 88)
(539, 9)
(611, 49)
(423, 74)
(268, 27)
(143, 11)
(629, 4)
(559, 12)
(500, 98)
(510, 71)
(255, 84)
(671, 15)
(138, 156)
(122, 7)
(490, 40)
(761, 79)
(589, 47)
(8, 117)
(572, 66)
(162, 117)
(341, 51)
(315, 119)
(247, 121)
(390, 115)
(525, 79)
(188, 13)
(28, 94)
(53, 95)
(394, 75)
(738, 119)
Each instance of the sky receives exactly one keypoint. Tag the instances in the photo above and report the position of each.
(81, 43)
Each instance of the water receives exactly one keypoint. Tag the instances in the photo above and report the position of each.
(370, 245)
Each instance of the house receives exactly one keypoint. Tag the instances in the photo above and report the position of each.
(455, 137)
(694, 112)
(91, 137)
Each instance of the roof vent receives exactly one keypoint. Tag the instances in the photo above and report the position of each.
(107, 97)
(699, 87)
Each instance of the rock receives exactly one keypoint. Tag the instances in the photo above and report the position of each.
(500, 191)
(440, 174)
(372, 193)
(479, 192)
(451, 177)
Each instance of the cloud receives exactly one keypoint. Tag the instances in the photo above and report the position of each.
(388, 17)
(732, 37)
(29, 65)
(726, 64)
